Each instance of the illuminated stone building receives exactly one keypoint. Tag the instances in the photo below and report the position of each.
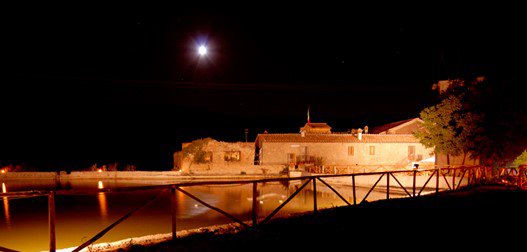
(391, 144)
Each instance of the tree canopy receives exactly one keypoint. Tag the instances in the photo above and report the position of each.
(194, 151)
(481, 118)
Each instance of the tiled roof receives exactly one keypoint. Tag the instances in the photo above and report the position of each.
(317, 125)
(335, 138)
(385, 127)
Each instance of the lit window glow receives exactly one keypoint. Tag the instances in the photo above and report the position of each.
(100, 185)
(99, 170)
(3, 170)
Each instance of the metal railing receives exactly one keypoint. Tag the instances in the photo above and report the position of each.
(472, 175)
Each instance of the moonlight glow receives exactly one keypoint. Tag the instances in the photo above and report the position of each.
(202, 50)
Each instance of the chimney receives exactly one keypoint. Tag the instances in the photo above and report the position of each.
(366, 129)
(359, 134)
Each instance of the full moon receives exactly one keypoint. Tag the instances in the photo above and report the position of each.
(202, 50)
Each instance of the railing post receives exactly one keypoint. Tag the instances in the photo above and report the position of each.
(521, 173)
(413, 187)
(453, 179)
(51, 221)
(255, 204)
(315, 209)
(353, 186)
(173, 206)
(437, 179)
(388, 185)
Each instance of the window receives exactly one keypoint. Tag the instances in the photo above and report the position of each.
(208, 156)
(411, 152)
(372, 150)
(202, 157)
(351, 151)
(291, 157)
(304, 150)
(232, 156)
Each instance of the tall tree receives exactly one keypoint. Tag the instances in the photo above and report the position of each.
(479, 117)
(440, 130)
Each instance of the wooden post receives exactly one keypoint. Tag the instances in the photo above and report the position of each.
(173, 205)
(255, 204)
(437, 180)
(353, 186)
(413, 187)
(315, 209)
(453, 179)
(520, 174)
(388, 186)
(467, 170)
(51, 221)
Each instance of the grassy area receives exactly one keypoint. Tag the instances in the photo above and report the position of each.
(478, 218)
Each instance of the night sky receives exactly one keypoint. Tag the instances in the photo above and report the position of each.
(95, 83)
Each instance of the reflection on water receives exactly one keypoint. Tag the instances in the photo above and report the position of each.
(103, 207)
(6, 207)
(81, 216)
(101, 197)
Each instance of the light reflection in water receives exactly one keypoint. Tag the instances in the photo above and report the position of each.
(103, 204)
(6, 206)
(78, 221)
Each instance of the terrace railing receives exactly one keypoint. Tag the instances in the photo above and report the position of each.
(471, 175)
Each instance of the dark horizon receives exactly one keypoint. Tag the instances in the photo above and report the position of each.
(90, 84)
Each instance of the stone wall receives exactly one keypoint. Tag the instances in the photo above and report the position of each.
(275, 153)
(235, 169)
(219, 150)
(28, 175)
(121, 174)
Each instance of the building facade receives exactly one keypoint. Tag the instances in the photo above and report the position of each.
(392, 144)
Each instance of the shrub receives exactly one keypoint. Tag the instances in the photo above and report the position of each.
(521, 159)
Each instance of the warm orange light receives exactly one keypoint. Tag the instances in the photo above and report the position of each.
(3, 171)
(4, 188)
(6, 211)
(100, 185)
(103, 205)
(99, 170)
